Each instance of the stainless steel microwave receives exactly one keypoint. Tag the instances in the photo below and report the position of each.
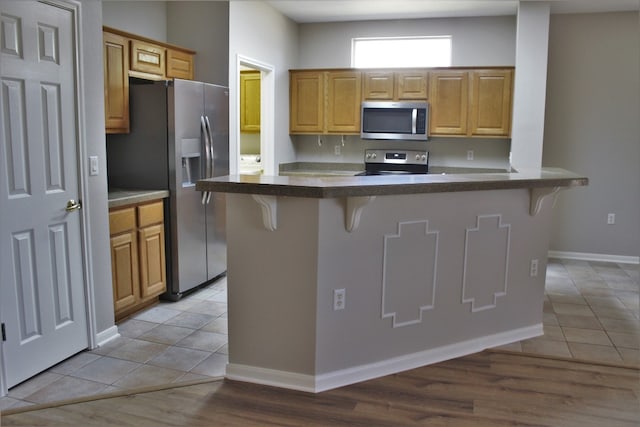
(395, 120)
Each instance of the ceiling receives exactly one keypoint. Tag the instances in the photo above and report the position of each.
(304, 11)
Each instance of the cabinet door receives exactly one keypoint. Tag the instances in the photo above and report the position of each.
(449, 98)
(124, 269)
(412, 85)
(124, 258)
(152, 260)
(250, 101)
(147, 58)
(306, 104)
(116, 83)
(179, 65)
(490, 102)
(344, 89)
(378, 86)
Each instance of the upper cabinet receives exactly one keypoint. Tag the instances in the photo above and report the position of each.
(323, 102)
(463, 102)
(250, 101)
(125, 55)
(473, 103)
(115, 52)
(389, 85)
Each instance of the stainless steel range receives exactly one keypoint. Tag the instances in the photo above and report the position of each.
(387, 162)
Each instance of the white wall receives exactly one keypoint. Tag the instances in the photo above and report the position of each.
(592, 127)
(259, 32)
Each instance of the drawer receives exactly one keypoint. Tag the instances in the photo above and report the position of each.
(121, 220)
(152, 213)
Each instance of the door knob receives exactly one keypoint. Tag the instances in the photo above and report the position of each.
(72, 205)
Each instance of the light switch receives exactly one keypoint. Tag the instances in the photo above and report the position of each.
(93, 165)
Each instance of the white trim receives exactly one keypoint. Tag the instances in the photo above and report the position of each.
(107, 335)
(342, 377)
(585, 256)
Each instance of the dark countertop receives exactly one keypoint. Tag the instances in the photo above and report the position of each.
(118, 197)
(351, 186)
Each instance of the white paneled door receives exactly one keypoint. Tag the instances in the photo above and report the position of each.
(42, 297)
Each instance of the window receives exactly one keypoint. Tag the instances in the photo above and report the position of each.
(397, 52)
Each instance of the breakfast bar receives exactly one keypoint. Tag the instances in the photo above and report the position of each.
(339, 279)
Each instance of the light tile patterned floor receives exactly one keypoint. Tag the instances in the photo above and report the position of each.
(591, 313)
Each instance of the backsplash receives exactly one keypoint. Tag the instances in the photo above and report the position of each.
(452, 152)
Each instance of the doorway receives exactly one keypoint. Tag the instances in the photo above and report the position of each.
(255, 118)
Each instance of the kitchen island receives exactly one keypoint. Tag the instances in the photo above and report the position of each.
(335, 280)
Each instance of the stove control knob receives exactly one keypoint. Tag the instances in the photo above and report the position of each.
(368, 156)
(423, 157)
(417, 156)
(373, 155)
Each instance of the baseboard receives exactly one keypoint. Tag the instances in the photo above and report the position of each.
(585, 256)
(107, 335)
(331, 380)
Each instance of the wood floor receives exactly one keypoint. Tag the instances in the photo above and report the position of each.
(484, 389)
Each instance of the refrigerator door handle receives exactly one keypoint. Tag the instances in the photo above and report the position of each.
(211, 158)
(207, 161)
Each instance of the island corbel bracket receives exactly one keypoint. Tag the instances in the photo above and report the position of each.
(269, 206)
(537, 195)
(354, 210)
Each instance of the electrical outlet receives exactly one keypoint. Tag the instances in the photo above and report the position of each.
(469, 154)
(533, 270)
(336, 150)
(339, 299)
(611, 218)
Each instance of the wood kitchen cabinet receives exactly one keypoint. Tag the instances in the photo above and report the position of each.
(471, 102)
(449, 100)
(323, 102)
(116, 83)
(179, 65)
(128, 55)
(342, 105)
(389, 85)
(148, 58)
(138, 262)
(250, 101)
(490, 98)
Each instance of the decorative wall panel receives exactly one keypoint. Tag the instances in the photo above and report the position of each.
(409, 272)
(486, 260)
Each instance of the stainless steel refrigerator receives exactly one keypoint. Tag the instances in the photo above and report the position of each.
(179, 134)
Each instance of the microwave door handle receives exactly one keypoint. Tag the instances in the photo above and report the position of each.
(414, 120)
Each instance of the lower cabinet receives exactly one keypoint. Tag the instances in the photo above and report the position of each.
(137, 256)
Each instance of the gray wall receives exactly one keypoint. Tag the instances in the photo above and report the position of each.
(592, 126)
(95, 202)
(476, 41)
(202, 26)
(259, 32)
